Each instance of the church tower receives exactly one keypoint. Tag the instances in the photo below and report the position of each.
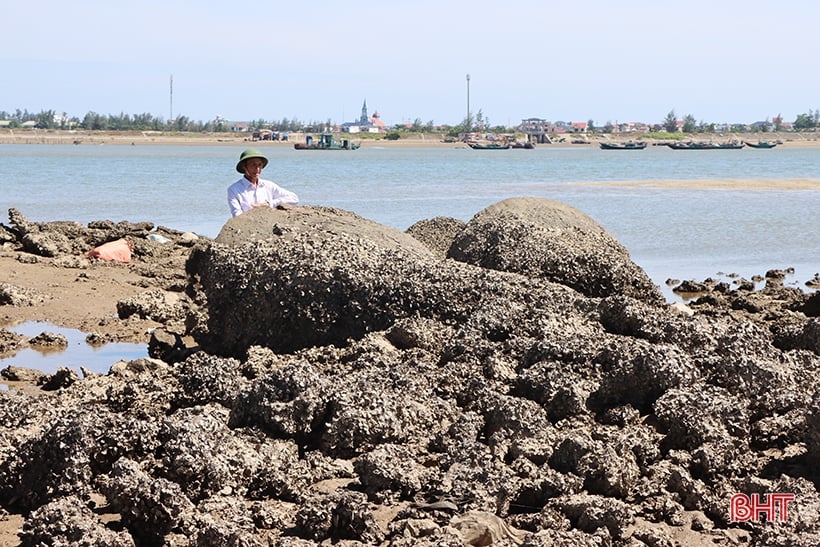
(364, 120)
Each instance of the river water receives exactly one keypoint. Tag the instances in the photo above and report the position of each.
(672, 232)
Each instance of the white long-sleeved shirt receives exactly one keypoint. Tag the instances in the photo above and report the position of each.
(242, 195)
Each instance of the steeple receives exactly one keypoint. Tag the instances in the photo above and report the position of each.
(364, 120)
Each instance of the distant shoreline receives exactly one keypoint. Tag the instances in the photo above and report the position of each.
(162, 138)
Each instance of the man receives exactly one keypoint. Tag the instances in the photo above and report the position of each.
(252, 191)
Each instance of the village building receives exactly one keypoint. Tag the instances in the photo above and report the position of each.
(240, 127)
(365, 123)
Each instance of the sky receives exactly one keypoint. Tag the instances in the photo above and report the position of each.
(722, 61)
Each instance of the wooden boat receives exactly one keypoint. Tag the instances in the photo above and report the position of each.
(761, 144)
(631, 145)
(488, 146)
(524, 145)
(325, 142)
(692, 145)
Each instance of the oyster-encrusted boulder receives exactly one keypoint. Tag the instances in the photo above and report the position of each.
(12, 295)
(437, 233)
(157, 304)
(813, 427)
(344, 416)
(638, 373)
(150, 506)
(304, 277)
(69, 521)
(699, 413)
(49, 340)
(10, 341)
(62, 458)
(200, 452)
(392, 468)
(551, 240)
(342, 516)
(301, 277)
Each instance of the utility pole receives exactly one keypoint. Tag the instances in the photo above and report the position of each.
(469, 125)
(172, 99)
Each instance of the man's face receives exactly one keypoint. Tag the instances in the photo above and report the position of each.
(253, 167)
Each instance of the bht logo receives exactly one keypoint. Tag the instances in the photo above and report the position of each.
(775, 507)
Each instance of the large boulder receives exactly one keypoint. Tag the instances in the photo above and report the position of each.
(547, 239)
(313, 276)
(437, 233)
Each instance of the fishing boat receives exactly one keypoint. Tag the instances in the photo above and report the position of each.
(488, 146)
(631, 145)
(694, 145)
(525, 145)
(761, 144)
(325, 142)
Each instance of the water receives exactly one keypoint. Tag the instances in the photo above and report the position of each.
(672, 232)
(76, 354)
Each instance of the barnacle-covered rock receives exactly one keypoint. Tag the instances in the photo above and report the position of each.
(547, 239)
(70, 521)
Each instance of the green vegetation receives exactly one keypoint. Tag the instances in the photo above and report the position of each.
(807, 121)
(670, 122)
(669, 128)
(664, 136)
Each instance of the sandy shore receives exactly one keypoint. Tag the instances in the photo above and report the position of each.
(143, 138)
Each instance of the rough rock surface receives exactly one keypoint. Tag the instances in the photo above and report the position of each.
(437, 233)
(547, 239)
(354, 388)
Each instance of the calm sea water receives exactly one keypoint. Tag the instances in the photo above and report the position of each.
(671, 233)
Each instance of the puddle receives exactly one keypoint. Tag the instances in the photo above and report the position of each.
(78, 353)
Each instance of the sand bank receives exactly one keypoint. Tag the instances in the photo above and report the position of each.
(143, 138)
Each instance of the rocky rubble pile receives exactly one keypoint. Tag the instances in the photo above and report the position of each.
(351, 385)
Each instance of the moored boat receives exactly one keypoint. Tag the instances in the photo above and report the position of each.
(325, 142)
(694, 145)
(761, 144)
(525, 145)
(488, 146)
(630, 145)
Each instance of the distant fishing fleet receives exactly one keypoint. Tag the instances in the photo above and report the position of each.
(690, 145)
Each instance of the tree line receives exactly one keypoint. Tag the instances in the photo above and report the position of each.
(93, 121)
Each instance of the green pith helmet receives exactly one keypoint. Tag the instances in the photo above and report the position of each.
(248, 154)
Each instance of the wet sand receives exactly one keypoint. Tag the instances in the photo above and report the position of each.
(163, 138)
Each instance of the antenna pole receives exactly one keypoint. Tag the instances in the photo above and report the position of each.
(172, 98)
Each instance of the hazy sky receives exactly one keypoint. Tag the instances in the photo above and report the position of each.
(718, 60)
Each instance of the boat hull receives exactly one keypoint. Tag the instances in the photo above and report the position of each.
(704, 146)
(622, 146)
(478, 146)
(762, 144)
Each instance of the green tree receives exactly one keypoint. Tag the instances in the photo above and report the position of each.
(805, 121)
(670, 122)
(690, 125)
(481, 122)
(45, 119)
(93, 121)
